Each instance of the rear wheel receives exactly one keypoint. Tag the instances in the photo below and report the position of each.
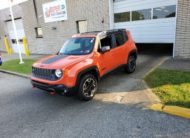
(131, 65)
(87, 87)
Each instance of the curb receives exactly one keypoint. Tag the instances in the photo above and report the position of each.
(156, 103)
(173, 110)
(15, 74)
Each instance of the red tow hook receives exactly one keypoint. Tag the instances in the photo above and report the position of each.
(52, 93)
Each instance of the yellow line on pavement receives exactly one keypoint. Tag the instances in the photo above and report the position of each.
(156, 66)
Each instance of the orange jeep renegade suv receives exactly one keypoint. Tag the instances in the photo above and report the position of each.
(83, 60)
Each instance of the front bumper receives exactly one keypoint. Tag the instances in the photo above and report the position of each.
(51, 88)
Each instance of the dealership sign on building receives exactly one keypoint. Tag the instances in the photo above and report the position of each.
(55, 11)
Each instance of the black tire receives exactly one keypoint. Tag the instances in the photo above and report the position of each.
(131, 64)
(87, 87)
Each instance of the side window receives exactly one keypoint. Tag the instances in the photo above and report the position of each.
(119, 38)
(107, 41)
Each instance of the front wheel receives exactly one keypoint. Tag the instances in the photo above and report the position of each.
(131, 65)
(87, 87)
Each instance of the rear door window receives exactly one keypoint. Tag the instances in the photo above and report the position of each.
(119, 38)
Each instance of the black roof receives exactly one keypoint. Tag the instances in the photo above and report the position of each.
(115, 30)
(93, 32)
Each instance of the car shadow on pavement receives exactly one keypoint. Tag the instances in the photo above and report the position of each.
(119, 81)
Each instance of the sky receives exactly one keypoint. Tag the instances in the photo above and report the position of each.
(5, 3)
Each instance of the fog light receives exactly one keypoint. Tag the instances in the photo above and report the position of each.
(65, 91)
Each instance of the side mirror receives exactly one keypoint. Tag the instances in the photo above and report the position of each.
(105, 49)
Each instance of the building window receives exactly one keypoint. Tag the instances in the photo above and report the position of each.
(164, 12)
(122, 17)
(81, 26)
(141, 15)
(39, 32)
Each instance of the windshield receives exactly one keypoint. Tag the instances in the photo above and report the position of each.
(78, 46)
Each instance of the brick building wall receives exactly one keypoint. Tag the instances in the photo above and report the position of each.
(95, 12)
(182, 48)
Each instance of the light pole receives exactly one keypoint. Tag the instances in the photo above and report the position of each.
(15, 31)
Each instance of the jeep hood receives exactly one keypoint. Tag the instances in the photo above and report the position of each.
(59, 61)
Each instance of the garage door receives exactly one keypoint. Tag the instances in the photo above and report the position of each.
(150, 21)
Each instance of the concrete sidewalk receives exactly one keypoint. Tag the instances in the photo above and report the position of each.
(176, 64)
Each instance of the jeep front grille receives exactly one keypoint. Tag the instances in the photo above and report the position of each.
(47, 74)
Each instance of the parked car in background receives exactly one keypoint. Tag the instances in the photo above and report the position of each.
(83, 60)
(1, 60)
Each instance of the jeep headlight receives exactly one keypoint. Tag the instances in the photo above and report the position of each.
(58, 73)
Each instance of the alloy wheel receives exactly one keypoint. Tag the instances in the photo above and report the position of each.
(89, 87)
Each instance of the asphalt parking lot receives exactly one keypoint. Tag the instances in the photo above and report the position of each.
(116, 111)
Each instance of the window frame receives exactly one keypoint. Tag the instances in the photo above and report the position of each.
(38, 35)
(129, 12)
(148, 9)
(113, 40)
(125, 38)
(100, 44)
(153, 17)
(78, 23)
(93, 45)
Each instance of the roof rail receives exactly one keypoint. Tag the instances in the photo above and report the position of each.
(102, 33)
(93, 32)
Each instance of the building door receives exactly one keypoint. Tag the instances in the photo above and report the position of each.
(81, 26)
(20, 32)
(149, 21)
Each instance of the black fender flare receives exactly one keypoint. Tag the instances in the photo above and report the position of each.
(92, 69)
(134, 51)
